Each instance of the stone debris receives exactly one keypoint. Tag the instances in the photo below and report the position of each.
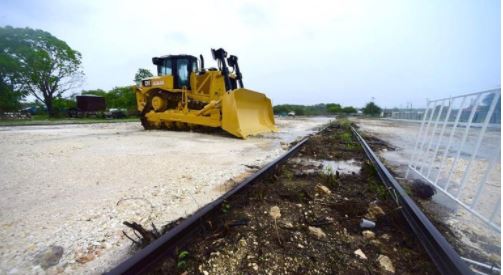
(275, 212)
(360, 254)
(367, 234)
(374, 211)
(386, 237)
(323, 189)
(385, 263)
(375, 242)
(84, 258)
(49, 257)
(317, 232)
(367, 224)
(242, 242)
(287, 225)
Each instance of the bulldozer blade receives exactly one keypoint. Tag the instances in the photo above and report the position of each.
(245, 113)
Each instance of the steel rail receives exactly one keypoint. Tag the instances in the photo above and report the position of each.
(440, 251)
(438, 248)
(149, 256)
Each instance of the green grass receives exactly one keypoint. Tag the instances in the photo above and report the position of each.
(45, 120)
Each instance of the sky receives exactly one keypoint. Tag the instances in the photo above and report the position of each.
(306, 52)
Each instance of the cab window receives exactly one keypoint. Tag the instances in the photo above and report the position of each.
(182, 68)
(165, 68)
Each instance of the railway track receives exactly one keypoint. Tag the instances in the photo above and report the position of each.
(440, 251)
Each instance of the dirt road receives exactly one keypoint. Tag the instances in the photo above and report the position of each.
(67, 189)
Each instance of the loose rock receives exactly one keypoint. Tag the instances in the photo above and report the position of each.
(374, 211)
(275, 212)
(242, 242)
(317, 232)
(323, 189)
(386, 237)
(367, 234)
(287, 225)
(385, 263)
(360, 254)
(367, 224)
(49, 256)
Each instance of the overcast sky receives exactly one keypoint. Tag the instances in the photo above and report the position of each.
(306, 53)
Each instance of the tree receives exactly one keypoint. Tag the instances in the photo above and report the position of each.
(97, 92)
(10, 100)
(10, 95)
(142, 74)
(119, 97)
(372, 109)
(41, 64)
(348, 110)
(334, 108)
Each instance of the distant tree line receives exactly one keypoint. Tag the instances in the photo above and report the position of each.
(370, 109)
(313, 110)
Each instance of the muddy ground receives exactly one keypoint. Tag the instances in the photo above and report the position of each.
(305, 218)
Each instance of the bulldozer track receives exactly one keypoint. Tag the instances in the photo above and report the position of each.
(440, 251)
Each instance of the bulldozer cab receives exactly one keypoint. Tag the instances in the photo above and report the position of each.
(179, 66)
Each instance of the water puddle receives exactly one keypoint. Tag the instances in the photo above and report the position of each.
(347, 167)
(343, 167)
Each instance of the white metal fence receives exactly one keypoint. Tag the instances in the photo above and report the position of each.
(407, 114)
(458, 151)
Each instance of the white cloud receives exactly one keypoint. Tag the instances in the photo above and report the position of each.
(299, 52)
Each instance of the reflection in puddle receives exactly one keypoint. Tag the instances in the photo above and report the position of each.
(347, 167)
(342, 166)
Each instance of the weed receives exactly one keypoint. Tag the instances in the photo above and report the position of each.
(225, 207)
(288, 174)
(181, 263)
(345, 123)
(330, 177)
(378, 188)
(346, 137)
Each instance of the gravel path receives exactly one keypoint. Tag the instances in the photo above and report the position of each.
(67, 189)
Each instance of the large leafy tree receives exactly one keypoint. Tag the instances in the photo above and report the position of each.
(372, 109)
(10, 99)
(334, 108)
(40, 64)
(10, 95)
(142, 74)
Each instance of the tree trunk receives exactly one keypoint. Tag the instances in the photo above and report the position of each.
(48, 105)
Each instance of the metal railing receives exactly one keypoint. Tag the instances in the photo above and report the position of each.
(458, 151)
(406, 114)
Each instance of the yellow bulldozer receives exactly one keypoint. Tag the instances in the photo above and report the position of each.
(185, 95)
